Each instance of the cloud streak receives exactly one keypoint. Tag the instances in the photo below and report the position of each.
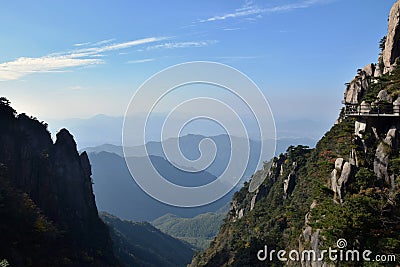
(22, 66)
(251, 10)
(140, 61)
(95, 44)
(82, 44)
(174, 45)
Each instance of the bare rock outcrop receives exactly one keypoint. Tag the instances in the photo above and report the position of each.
(369, 70)
(56, 178)
(383, 95)
(236, 211)
(392, 45)
(357, 87)
(382, 155)
(339, 178)
(290, 182)
(288, 185)
(259, 194)
(360, 127)
(273, 173)
(311, 240)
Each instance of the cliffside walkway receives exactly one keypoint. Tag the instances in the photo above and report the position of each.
(372, 110)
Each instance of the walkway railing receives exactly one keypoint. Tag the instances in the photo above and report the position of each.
(372, 110)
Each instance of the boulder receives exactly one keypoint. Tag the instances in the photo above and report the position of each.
(339, 163)
(381, 161)
(382, 154)
(360, 128)
(390, 136)
(384, 96)
(334, 177)
(236, 212)
(345, 175)
(339, 177)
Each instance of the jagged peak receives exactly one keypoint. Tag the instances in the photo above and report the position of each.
(86, 164)
(65, 140)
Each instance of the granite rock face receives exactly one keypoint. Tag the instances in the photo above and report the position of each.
(357, 87)
(382, 154)
(339, 178)
(290, 182)
(392, 45)
(56, 178)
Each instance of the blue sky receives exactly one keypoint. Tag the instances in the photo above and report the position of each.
(81, 58)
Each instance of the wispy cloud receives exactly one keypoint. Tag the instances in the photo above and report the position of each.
(82, 44)
(128, 44)
(239, 57)
(174, 45)
(230, 59)
(102, 42)
(75, 88)
(232, 29)
(251, 10)
(140, 60)
(22, 66)
(97, 50)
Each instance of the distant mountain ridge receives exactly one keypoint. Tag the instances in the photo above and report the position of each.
(109, 167)
(116, 191)
(155, 149)
(141, 244)
(199, 231)
(103, 129)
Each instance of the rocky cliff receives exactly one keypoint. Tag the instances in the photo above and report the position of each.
(49, 212)
(344, 194)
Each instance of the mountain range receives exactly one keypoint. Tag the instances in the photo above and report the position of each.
(102, 129)
(125, 197)
(117, 193)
